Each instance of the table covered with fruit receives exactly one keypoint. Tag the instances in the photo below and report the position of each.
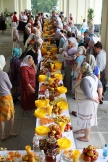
(53, 125)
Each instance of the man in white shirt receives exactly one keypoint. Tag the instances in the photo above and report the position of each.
(101, 62)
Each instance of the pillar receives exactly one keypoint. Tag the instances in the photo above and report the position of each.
(1, 6)
(104, 32)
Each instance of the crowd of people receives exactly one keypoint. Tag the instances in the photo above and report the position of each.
(83, 63)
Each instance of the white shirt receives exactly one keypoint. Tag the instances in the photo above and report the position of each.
(39, 56)
(84, 25)
(101, 60)
(25, 18)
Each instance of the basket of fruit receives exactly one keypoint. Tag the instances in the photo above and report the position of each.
(54, 131)
(90, 154)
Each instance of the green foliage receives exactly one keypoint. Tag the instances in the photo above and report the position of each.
(90, 14)
(43, 5)
(6, 13)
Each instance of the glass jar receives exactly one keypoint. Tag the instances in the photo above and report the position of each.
(51, 156)
(51, 143)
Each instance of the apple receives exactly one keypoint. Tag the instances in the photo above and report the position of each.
(83, 156)
(96, 153)
(85, 150)
(94, 157)
(90, 153)
(58, 132)
(87, 158)
(90, 147)
(53, 132)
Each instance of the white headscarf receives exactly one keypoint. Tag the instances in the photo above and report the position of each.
(27, 25)
(73, 40)
(2, 62)
(92, 62)
(80, 38)
(25, 61)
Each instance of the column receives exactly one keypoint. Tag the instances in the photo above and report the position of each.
(29, 5)
(104, 32)
(67, 10)
(20, 5)
(1, 6)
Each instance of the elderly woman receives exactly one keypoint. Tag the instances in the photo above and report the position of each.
(28, 84)
(90, 48)
(88, 92)
(2, 23)
(92, 62)
(68, 56)
(6, 102)
(80, 40)
(14, 73)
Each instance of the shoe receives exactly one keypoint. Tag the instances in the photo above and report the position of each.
(74, 113)
(5, 138)
(13, 135)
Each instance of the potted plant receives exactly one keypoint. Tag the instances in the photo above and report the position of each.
(90, 14)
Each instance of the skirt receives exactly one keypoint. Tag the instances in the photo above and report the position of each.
(6, 108)
(87, 113)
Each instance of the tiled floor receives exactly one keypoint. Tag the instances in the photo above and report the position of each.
(25, 125)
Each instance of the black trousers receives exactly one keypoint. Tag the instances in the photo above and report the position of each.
(103, 80)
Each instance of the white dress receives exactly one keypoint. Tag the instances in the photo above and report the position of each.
(87, 109)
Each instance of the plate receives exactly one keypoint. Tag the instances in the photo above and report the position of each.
(42, 130)
(64, 143)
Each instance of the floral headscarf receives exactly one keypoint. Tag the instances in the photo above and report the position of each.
(16, 53)
(86, 70)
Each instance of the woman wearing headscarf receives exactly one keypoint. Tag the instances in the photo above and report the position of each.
(68, 56)
(14, 73)
(88, 92)
(90, 48)
(2, 23)
(80, 40)
(92, 62)
(27, 32)
(28, 84)
(6, 101)
(34, 52)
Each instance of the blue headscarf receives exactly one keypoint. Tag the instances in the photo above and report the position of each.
(16, 53)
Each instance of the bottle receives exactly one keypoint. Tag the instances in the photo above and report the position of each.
(105, 151)
(35, 143)
(42, 156)
(47, 93)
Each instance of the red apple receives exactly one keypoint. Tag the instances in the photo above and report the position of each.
(87, 158)
(83, 156)
(85, 150)
(94, 157)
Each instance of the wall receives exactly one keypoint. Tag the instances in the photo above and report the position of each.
(104, 32)
(79, 9)
(15, 5)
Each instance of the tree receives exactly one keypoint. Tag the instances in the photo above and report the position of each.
(43, 5)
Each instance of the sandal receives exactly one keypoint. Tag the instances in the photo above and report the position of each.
(13, 135)
(5, 138)
(82, 139)
(74, 113)
(79, 132)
